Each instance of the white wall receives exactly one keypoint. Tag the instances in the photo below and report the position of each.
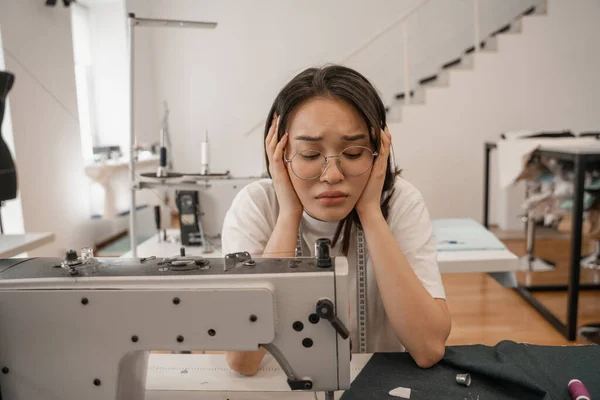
(44, 118)
(225, 80)
(542, 79)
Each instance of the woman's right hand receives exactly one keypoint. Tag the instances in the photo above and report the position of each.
(289, 203)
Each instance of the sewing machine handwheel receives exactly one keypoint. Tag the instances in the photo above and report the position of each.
(326, 311)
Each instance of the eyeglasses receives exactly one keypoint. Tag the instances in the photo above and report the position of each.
(352, 161)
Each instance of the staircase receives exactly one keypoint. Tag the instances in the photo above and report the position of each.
(463, 62)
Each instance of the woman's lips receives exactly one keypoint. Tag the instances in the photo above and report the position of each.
(332, 198)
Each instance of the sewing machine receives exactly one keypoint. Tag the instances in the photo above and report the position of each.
(83, 328)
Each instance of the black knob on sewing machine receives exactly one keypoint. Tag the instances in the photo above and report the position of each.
(326, 310)
(322, 247)
(71, 255)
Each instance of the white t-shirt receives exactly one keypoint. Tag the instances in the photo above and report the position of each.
(251, 220)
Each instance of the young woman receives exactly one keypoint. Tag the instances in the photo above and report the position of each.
(328, 154)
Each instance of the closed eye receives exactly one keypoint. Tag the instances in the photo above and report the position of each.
(310, 156)
(354, 154)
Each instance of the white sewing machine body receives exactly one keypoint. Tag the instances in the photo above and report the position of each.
(85, 332)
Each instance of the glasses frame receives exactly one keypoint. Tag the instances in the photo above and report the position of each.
(326, 162)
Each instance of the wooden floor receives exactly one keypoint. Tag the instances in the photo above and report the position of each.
(485, 312)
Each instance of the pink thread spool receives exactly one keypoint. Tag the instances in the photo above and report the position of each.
(578, 390)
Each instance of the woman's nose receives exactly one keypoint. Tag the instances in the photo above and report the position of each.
(332, 173)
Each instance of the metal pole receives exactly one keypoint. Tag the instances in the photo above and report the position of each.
(406, 65)
(576, 228)
(530, 240)
(476, 24)
(132, 224)
(486, 188)
(329, 396)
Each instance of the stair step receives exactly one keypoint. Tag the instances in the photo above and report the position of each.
(485, 45)
(401, 96)
(517, 26)
(533, 11)
(452, 63)
(504, 29)
(491, 44)
(417, 96)
(467, 62)
(529, 11)
(533, 24)
(541, 9)
(428, 79)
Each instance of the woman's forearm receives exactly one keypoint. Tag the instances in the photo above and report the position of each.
(282, 243)
(420, 322)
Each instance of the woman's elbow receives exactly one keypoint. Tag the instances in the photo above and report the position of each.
(238, 363)
(431, 356)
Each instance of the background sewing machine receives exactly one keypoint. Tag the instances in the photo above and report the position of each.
(82, 328)
(190, 225)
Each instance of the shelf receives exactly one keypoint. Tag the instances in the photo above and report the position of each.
(196, 184)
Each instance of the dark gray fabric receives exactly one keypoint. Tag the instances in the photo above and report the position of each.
(505, 371)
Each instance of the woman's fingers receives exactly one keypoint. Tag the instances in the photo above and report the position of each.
(274, 138)
(384, 151)
(278, 154)
(271, 140)
(271, 130)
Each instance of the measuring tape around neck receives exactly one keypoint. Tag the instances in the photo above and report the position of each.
(361, 285)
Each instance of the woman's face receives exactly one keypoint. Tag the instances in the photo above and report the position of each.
(328, 126)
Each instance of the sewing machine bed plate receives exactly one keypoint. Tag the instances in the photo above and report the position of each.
(208, 377)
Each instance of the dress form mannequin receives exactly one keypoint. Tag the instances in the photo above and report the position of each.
(8, 173)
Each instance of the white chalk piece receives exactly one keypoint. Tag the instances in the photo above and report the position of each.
(401, 392)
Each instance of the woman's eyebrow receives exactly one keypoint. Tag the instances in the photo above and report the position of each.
(307, 138)
(347, 138)
(356, 137)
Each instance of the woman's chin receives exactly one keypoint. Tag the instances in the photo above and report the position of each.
(329, 214)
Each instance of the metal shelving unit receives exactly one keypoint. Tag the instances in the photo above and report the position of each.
(136, 184)
(582, 157)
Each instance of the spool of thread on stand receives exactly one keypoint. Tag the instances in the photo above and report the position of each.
(204, 154)
(578, 391)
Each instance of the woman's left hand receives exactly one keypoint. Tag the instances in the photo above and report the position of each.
(370, 199)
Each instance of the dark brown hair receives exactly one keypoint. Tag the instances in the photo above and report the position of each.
(337, 82)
